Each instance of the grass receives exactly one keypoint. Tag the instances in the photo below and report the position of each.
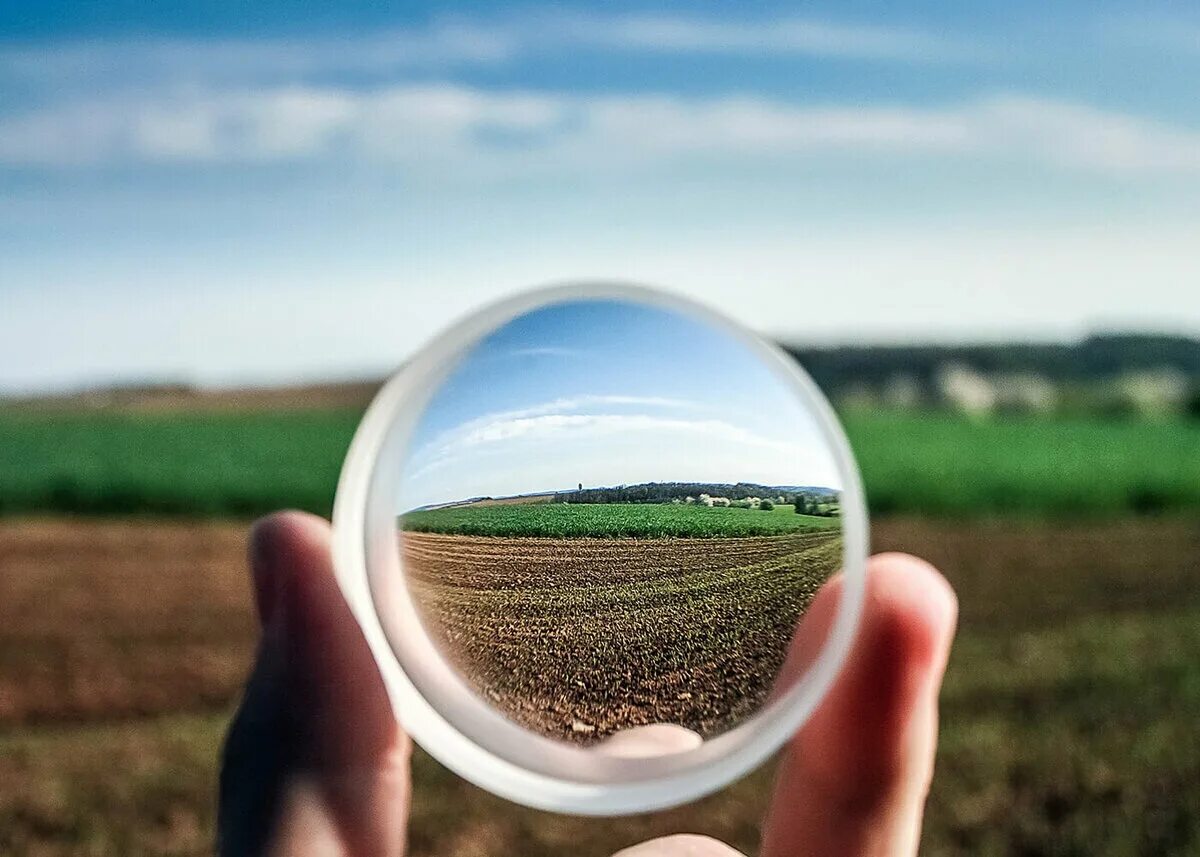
(136, 787)
(207, 464)
(1076, 739)
(1067, 722)
(943, 464)
(611, 520)
(247, 463)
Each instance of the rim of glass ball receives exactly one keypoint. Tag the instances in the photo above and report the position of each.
(434, 704)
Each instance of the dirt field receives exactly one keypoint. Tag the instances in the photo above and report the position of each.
(120, 619)
(1068, 721)
(580, 638)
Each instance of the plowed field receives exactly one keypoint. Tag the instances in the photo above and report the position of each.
(580, 638)
(1067, 722)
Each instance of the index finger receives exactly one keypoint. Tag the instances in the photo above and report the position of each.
(854, 779)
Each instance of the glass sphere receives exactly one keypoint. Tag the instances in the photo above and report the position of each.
(594, 523)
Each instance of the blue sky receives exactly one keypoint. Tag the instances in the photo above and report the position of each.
(231, 193)
(609, 393)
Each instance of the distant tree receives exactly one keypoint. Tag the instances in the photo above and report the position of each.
(1191, 407)
(666, 492)
(766, 505)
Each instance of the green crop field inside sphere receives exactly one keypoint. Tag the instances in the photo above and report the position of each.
(635, 520)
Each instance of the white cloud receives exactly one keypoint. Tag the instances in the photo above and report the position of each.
(543, 351)
(560, 436)
(546, 426)
(1081, 136)
(539, 420)
(390, 124)
(778, 36)
(452, 42)
(461, 132)
(474, 431)
(613, 439)
(566, 404)
(579, 425)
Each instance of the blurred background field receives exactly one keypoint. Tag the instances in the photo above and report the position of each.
(1067, 724)
(126, 627)
(1020, 430)
(248, 463)
(975, 225)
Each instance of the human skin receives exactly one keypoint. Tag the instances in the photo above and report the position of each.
(315, 763)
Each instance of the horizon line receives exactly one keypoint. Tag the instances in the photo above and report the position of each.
(555, 492)
(189, 385)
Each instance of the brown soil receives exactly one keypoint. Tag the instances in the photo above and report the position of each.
(108, 619)
(170, 398)
(1067, 723)
(579, 638)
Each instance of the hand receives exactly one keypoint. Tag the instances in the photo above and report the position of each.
(315, 763)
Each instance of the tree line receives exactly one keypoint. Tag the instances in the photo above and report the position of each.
(812, 500)
(1096, 357)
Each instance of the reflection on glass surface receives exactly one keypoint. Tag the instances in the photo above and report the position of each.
(612, 516)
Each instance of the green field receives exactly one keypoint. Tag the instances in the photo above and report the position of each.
(611, 520)
(208, 464)
(245, 464)
(943, 464)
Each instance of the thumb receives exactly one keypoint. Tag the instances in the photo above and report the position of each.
(314, 761)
